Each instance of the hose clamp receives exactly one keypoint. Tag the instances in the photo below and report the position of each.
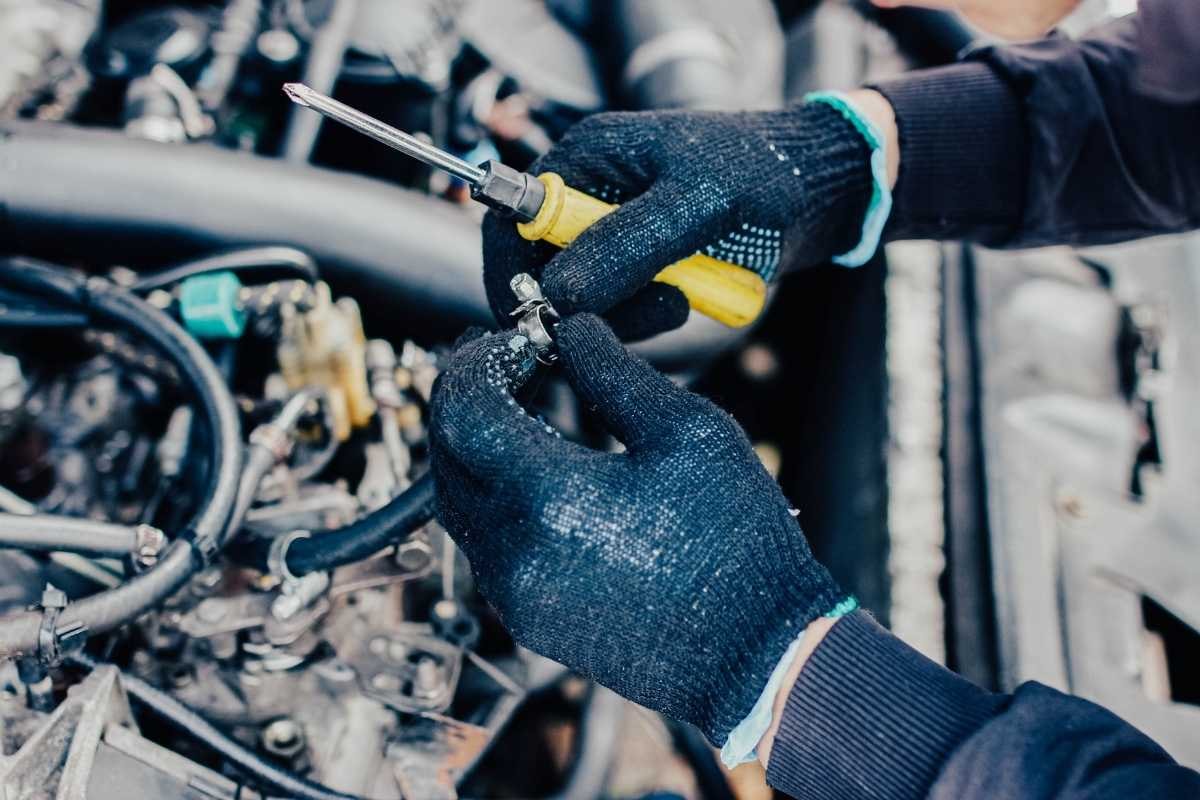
(277, 556)
(54, 642)
(535, 316)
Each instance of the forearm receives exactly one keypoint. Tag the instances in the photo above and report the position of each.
(1053, 142)
(865, 715)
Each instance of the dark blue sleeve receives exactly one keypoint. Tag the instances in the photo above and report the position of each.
(1058, 141)
(871, 717)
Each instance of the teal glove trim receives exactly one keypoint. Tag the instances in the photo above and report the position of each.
(881, 196)
(742, 744)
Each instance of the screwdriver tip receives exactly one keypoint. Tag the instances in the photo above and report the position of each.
(297, 93)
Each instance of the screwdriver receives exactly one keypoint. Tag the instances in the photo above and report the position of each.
(546, 209)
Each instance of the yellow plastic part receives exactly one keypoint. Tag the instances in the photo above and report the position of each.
(325, 346)
(730, 294)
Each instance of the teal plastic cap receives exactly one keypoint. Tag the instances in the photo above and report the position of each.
(209, 306)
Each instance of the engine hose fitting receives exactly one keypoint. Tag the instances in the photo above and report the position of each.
(149, 543)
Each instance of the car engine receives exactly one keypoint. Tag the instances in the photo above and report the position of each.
(221, 321)
(213, 307)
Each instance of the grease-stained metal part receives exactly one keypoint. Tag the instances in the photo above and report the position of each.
(535, 316)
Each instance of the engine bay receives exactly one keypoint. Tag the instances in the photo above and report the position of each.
(219, 308)
(221, 320)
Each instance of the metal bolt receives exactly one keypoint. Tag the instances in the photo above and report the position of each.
(428, 680)
(526, 288)
(298, 594)
(283, 737)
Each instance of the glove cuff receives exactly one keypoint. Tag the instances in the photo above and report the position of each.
(825, 178)
(738, 687)
(880, 206)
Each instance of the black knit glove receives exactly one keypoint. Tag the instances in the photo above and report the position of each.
(673, 573)
(765, 190)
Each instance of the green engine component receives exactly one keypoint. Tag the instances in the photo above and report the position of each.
(210, 306)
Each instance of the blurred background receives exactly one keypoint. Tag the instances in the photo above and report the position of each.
(991, 450)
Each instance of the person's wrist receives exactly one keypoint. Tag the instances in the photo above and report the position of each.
(812, 637)
(876, 108)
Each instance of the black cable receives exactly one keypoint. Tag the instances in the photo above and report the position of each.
(33, 318)
(273, 260)
(325, 550)
(21, 632)
(189, 722)
(19, 310)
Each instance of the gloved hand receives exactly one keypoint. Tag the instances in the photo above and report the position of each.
(673, 573)
(760, 189)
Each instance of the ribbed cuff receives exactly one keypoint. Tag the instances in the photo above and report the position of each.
(871, 717)
(881, 192)
(963, 154)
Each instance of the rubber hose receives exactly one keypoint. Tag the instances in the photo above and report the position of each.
(260, 459)
(19, 632)
(31, 318)
(275, 260)
(701, 54)
(192, 724)
(385, 526)
(118, 306)
(85, 194)
(215, 401)
(48, 532)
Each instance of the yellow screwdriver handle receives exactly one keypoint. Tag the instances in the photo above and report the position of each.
(730, 294)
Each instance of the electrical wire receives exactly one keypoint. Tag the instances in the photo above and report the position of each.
(273, 260)
(192, 724)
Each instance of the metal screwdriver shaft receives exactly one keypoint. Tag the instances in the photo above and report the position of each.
(548, 210)
(503, 188)
(382, 132)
